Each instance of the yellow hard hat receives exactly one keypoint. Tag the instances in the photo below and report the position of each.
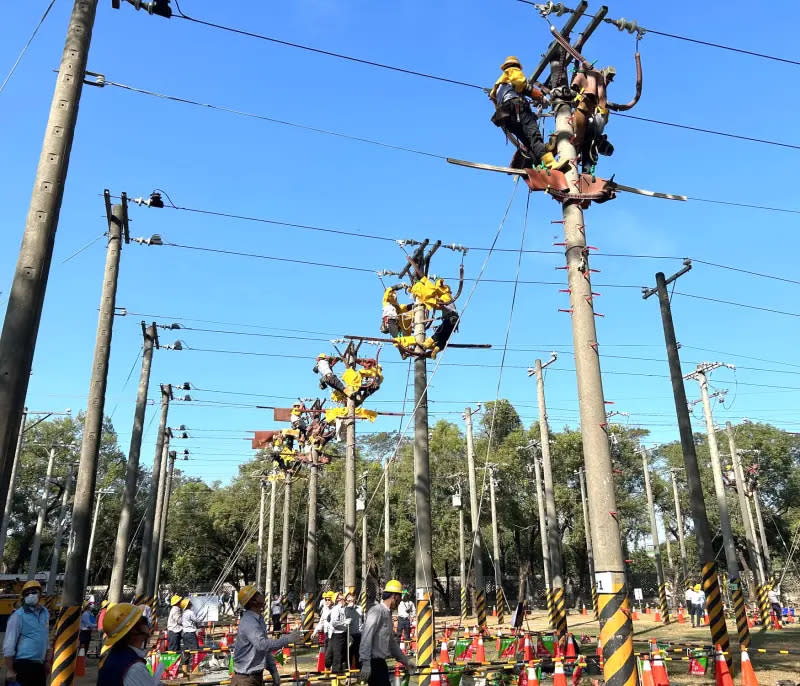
(103, 604)
(393, 586)
(322, 356)
(511, 61)
(119, 620)
(174, 600)
(246, 594)
(29, 585)
(185, 602)
(697, 587)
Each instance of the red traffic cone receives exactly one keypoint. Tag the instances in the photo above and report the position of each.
(522, 680)
(647, 674)
(748, 675)
(599, 652)
(497, 642)
(444, 654)
(436, 678)
(776, 622)
(660, 676)
(657, 618)
(722, 675)
(559, 679)
(583, 609)
(398, 676)
(533, 674)
(321, 659)
(634, 615)
(570, 653)
(403, 647)
(80, 663)
(527, 649)
(481, 653)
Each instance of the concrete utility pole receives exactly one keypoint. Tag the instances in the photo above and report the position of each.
(12, 481)
(287, 501)
(651, 508)
(24, 309)
(123, 540)
(762, 535)
(701, 376)
(479, 601)
(588, 531)
(705, 549)
(160, 496)
(66, 641)
(747, 523)
(387, 536)
(462, 552)
(273, 480)
(350, 499)
(143, 580)
(57, 542)
(37, 535)
(310, 575)
(361, 506)
(546, 566)
(164, 514)
(259, 551)
(554, 535)
(99, 502)
(681, 540)
(498, 572)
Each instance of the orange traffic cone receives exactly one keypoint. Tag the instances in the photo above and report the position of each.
(660, 676)
(436, 678)
(527, 649)
(403, 647)
(497, 642)
(722, 675)
(321, 659)
(398, 676)
(444, 654)
(748, 675)
(559, 679)
(533, 674)
(657, 618)
(681, 618)
(583, 609)
(776, 622)
(481, 653)
(599, 653)
(570, 653)
(634, 615)
(705, 619)
(647, 674)
(80, 663)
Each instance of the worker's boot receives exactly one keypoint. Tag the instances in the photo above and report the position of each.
(549, 161)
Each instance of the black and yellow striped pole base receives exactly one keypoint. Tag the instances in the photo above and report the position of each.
(65, 648)
(548, 595)
(616, 632)
(308, 616)
(716, 614)
(464, 612)
(500, 601)
(662, 601)
(594, 602)
(559, 620)
(362, 598)
(284, 612)
(740, 611)
(480, 607)
(763, 607)
(425, 638)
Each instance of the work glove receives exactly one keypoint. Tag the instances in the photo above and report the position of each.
(366, 671)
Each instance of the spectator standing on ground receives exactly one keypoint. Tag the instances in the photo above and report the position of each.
(355, 618)
(405, 613)
(336, 654)
(127, 631)
(252, 650)
(699, 605)
(378, 640)
(88, 624)
(775, 602)
(175, 624)
(689, 599)
(28, 659)
(276, 609)
(189, 636)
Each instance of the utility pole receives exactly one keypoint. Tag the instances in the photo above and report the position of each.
(12, 482)
(263, 493)
(546, 566)
(66, 640)
(164, 513)
(98, 503)
(479, 604)
(387, 537)
(462, 552)
(749, 533)
(350, 497)
(651, 508)
(498, 572)
(681, 540)
(361, 506)
(273, 480)
(62, 516)
(162, 482)
(556, 563)
(705, 549)
(310, 575)
(25, 301)
(123, 540)
(701, 376)
(143, 580)
(287, 501)
(763, 535)
(37, 536)
(588, 531)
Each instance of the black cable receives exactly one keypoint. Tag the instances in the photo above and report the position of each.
(737, 304)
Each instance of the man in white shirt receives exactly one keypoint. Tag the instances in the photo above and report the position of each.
(336, 655)
(189, 626)
(406, 611)
(689, 598)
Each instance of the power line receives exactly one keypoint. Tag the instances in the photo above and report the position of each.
(738, 304)
(26, 46)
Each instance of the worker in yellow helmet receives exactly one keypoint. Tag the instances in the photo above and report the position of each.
(127, 632)
(175, 624)
(252, 651)
(513, 114)
(25, 650)
(378, 640)
(327, 379)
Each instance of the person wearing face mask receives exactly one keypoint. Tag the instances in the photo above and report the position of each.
(252, 650)
(127, 631)
(175, 624)
(355, 617)
(25, 648)
(189, 626)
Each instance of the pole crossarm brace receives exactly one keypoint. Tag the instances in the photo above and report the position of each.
(647, 292)
(704, 369)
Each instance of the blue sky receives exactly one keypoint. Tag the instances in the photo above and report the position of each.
(217, 161)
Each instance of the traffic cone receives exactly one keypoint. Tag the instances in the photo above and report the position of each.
(748, 675)
(657, 618)
(559, 679)
(634, 615)
(444, 654)
(533, 674)
(776, 622)
(522, 680)
(398, 676)
(481, 654)
(527, 649)
(660, 676)
(436, 678)
(583, 609)
(403, 647)
(722, 675)
(570, 653)
(599, 652)
(497, 642)
(705, 619)
(80, 663)
(321, 659)
(647, 674)
(681, 618)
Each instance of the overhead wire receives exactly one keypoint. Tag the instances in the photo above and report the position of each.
(26, 46)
